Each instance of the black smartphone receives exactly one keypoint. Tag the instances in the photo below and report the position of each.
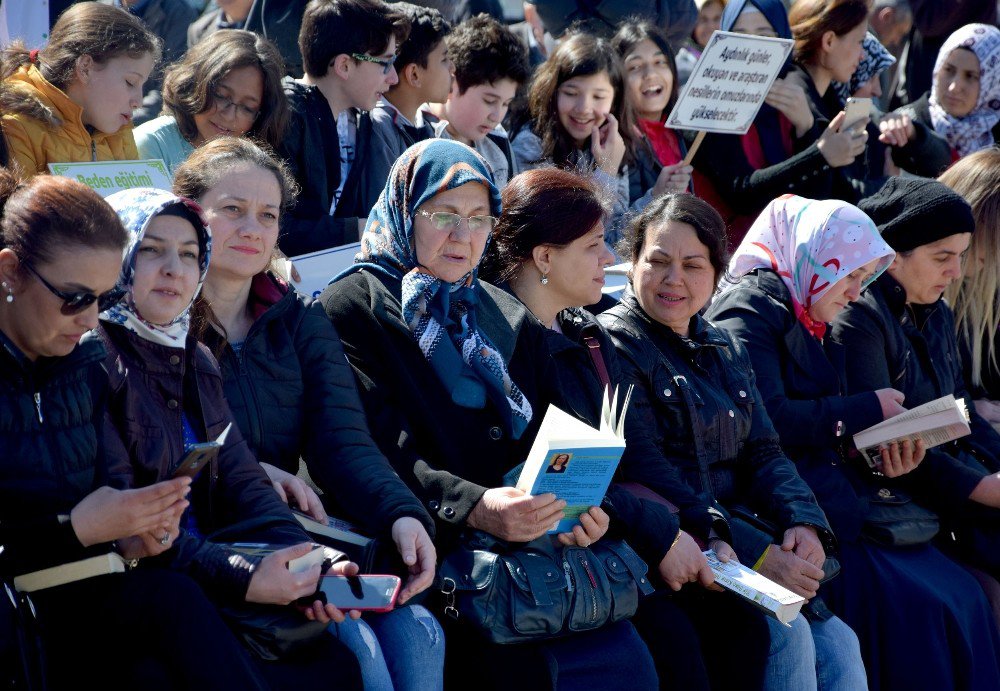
(374, 593)
(196, 459)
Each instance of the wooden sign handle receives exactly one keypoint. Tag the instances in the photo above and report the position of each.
(699, 138)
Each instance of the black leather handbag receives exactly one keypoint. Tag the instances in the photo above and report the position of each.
(540, 589)
(893, 519)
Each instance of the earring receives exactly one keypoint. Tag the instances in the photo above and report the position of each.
(545, 279)
(10, 293)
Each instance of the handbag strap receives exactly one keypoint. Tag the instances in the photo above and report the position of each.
(594, 349)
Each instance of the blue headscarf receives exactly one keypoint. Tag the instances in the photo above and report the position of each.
(766, 122)
(441, 316)
(874, 59)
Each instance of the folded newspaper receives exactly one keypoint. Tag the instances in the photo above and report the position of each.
(937, 422)
(776, 601)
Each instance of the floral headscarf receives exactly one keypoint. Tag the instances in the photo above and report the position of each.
(441, 316)
(136, 208)
(973, 132)
(811, 245)
(874, 60)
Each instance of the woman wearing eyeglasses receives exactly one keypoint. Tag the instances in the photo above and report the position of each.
(228, 84)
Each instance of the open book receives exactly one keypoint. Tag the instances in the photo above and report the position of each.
(69, 572)
(573, 460)
(937, 422)
(775, 600)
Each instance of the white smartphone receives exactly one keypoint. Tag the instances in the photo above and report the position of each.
(856, 110)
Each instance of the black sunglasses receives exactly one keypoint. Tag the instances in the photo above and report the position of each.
(74, 303)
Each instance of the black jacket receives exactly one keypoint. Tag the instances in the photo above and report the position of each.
(712, 397)
(920, 112)
(801, 383)
(292, 393)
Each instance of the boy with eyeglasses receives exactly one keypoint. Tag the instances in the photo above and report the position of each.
(348, 53)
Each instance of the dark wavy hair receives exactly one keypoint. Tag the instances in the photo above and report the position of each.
(189, 84)
(635, 31)
(484, 51)
(335, 27)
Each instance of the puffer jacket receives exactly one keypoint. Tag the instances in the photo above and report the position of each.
(151, 388)
(292, 393)
(50, 417)
(43, 125)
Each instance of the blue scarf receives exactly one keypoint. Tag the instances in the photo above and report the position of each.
(441, 316)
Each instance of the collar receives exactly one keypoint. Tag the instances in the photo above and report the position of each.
(64, 108)
(701, 332)
(893, 293)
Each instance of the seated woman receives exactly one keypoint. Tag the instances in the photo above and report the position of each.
(60, 249)
(699, 436)
(901, 334)
(547, 251)
(228, 84)
(166, 394)
(962, 103)
(441, 359)
(801, 262)
(293, 395)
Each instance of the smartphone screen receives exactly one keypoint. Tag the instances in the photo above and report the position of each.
(361, 592)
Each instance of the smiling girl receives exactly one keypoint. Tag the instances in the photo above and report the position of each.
(72, 101)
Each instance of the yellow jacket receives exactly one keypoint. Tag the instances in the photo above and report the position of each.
(43, 125)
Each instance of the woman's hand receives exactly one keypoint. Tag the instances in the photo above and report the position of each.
(510, 514)
(317, 611)
(790, 100)
(841, 147)
(786, 568)
(891, 402)
(286, 484)
(607, 146)
(146, 544)
(899, 458)
(593, 525)
(896, 130)
(675, 178)
(418, 553)
(684, 563)
(108, 514)
(988, 410)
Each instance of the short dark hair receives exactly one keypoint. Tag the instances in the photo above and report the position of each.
(484, 51)
(635, 31)
(427, 29)
(189, 85)
(680, 208)
(335, 27)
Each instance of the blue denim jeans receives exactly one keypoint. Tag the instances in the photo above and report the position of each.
(814, 656)
(401, 650)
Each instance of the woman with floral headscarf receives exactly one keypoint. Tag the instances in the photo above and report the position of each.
(922, 620)
(452, 373)
(166, 395)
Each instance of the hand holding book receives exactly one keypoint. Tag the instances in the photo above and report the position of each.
(513, 515)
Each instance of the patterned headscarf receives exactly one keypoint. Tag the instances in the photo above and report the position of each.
(973, 132)
(136, 208)
(874, 60)
(811, 245)
(441, 316)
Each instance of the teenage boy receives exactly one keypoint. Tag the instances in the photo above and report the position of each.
(348, 50)
(490, 63)
(424, 70)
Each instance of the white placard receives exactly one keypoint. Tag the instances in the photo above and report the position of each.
(317, 268)
(108, 177)
(729, 82)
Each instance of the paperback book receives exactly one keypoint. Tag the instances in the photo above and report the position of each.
(936, 422)
(775, 600)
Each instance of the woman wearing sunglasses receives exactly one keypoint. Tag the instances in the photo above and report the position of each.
(60, 247)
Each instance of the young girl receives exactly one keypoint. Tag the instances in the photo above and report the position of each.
(72, 101)
(228, 84)
(709, 20)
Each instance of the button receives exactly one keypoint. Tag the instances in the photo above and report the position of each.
(175, 359)
(732, 414)
(805, 177)
(172, 404)
(449, 512)
(743, 394)
(668, 392)
(791, 186)
(434, 505)
(496, 433)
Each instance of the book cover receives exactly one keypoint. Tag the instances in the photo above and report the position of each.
(775, 600)
(334, 528)
(935, 422)
(69, 572)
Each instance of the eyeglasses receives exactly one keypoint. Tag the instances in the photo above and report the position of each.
(444, 220)
(386, 64)
(74, 303)
(222, 103)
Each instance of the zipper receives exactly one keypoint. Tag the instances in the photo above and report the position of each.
(593, 587)
(93, 149)
(38, 407)
(569, 578)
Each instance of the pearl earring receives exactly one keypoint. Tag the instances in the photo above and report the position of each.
(545, 279)
(10, 294)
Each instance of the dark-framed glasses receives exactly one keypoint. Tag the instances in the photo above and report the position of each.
(386, 64)
(445, 220)
(222, 104)
(76, 302)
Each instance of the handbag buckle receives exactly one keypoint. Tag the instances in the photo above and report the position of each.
(448, 588)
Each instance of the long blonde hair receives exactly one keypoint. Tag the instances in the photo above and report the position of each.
(976, 299)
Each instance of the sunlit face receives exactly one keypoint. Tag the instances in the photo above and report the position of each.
(583, 103)
(843, 292)
(473, 114)
(166, 269)
(34, 321)
(929, 269)
(233, 105)
(243, 212)
(752, 21)
(844, 53)
(435, 79)
(709, 20)
(451, 253)
(576, 271)
(648, 80)
(367, 81)
(957, 82)
(673, 277)
(109, 93)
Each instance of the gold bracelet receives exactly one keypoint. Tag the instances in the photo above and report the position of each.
(676, 539)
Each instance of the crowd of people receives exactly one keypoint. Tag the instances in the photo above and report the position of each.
(786, 289)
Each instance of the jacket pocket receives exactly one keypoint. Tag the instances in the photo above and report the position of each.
(538, 594)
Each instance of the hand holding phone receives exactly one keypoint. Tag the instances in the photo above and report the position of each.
(857, 112)
(372, 593)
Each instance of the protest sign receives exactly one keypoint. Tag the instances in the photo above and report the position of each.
(317, 268)
(108, 177)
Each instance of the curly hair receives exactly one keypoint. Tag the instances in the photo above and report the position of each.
(484, 51)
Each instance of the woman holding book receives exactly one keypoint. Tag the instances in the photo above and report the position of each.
(801, 263)
(60, 248)
(293, 396)
(452, 374)
(165, 396)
